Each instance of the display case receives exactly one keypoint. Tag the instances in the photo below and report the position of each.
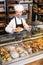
(21, 49)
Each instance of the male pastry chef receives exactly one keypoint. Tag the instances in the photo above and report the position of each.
(17, 24)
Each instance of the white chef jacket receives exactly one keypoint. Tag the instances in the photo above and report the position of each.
(12, 25)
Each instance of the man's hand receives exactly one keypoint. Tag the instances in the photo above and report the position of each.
(15, 30)
(29, 28)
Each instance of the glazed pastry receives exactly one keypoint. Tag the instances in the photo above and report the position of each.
(5, 55)
(3, 59)
(27, 43)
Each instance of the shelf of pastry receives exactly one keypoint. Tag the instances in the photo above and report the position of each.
(32, 50)
(38, 0)
(2, 21)
(10, 5)
(28, 2)
(1, 31)
(11, 1)
(2, 24)
(2, 10)
(40, 10)
(24, 12)
(40, 13)
(1, 5)
(11, 15)
(25, 60)
(2, 15)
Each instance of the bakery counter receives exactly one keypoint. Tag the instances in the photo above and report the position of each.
(22, 52)
(21, 36)
(14, 37)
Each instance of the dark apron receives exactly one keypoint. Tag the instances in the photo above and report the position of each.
(19, 35)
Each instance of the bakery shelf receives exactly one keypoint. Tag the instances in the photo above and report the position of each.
(2, 10)
(2, 15)
(11, 5)
(2, 24)
(40, 13)
(25, 60)
(2, 21)
(1, 5)
(40, 3)
(1, 31)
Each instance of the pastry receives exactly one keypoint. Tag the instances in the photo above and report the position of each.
(3, 59)
(26, 53)
(19, 29)
(9, 58)
(22, 54)
(26, 44)
(19, 49)
(14, 55)
(29, 50)
(5, 55)
(9, 48)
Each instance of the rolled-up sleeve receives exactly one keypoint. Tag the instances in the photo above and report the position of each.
(26, 26)
(10, 27)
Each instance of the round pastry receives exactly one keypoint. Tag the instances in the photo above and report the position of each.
(41, 47)
(19, 49)
(26, 52)
(9, 48)
(9, 59)
(3, 51)
(14, 55)
(3, 59)
(22, 54)
(30, 50)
